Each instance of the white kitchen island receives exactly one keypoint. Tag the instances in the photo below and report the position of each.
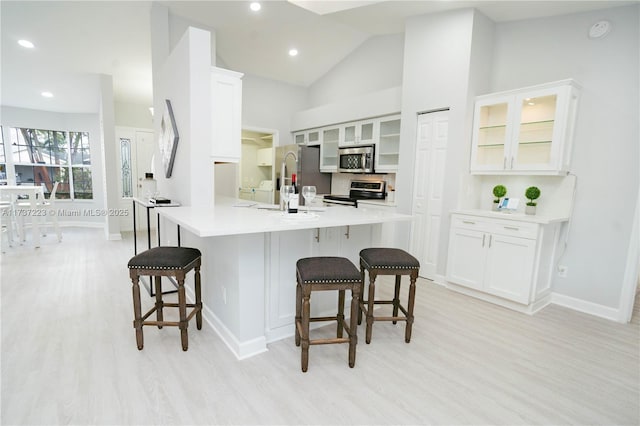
(249, 256)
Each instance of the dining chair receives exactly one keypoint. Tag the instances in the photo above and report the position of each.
(52, 214)
(41, 208)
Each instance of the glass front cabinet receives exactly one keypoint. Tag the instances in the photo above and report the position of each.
(526, 131)
(329, 149)
(308, 137)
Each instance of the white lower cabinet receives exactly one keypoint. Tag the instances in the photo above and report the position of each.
(284, 249)
(506, 260)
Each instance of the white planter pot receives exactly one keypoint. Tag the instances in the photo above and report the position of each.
(530, 209)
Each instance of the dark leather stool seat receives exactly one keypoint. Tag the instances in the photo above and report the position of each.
(322, 274)
(170, 262)
(388, 261)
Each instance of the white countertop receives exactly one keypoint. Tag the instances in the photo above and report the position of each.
(517, 216)
(381, 203)
(225, 219)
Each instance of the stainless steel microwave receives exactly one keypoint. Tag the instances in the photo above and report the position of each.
(356, 159)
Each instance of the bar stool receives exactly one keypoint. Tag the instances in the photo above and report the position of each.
(388, 261)
(321, 274)
(172, 262)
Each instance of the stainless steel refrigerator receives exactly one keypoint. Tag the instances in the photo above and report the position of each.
(307, 170)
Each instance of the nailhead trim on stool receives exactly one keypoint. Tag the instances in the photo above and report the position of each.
(388, 261)
(173, 262)
(321, 274)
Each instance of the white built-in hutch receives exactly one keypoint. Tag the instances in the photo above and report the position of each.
(519, 136)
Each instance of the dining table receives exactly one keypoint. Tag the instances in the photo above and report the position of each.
(33, 195)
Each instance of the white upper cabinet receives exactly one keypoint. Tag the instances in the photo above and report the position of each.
(264, 157)
(226, 120)
(358, 133)
(388, 146)
(329, 149)
(308, 137)
(381, 132)
(527, 131)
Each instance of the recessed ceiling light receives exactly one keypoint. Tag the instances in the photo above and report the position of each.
(47, 94)
(293, 52)
(255, 6)
(26, 43)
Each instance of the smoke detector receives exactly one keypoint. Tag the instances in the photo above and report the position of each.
(600, 29)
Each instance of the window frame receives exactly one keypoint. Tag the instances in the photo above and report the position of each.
(48, 157)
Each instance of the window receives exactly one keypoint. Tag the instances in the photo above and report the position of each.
(125, 166)
(42, 157)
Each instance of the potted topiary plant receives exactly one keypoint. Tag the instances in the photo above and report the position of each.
(532, 193)
(499, 191)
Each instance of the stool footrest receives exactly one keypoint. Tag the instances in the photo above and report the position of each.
(321, 319)
(363, 306)
(329, 341)
(389, 318)
(194, 311)
(163, 323)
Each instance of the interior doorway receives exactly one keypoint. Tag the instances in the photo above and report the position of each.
(256, 171)
(135, 149)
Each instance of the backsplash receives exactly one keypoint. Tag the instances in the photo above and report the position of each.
(556, 192)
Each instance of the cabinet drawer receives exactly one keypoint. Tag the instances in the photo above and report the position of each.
(496, 226)
(469, 222)
(515, 229)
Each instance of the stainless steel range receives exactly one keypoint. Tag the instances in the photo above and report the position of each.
(360, 190)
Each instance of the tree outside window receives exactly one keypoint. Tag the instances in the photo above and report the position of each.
(43, 157)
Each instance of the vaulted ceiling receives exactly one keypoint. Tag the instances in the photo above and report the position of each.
(75, 40)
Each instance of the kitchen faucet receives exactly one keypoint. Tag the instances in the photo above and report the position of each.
(283, 172)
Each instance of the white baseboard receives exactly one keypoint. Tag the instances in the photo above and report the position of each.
(591, 308)
(241, 350)
(579, 305)
(440, 280)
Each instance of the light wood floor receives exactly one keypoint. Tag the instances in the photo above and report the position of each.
(69, 357)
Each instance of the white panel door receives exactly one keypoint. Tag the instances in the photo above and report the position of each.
(431, 155)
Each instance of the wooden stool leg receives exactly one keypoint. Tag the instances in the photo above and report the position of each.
(412, 297)
(353, 324)
(198, 299)
(137, 314)
(340, 316)
(159, 302)
(298, 320)
(396, 297)
(370, 304)
(182, 306)
(306, 314)
(361, 292)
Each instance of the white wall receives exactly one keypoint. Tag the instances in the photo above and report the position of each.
(606, 147)
(133, 115)
(375, 65)
(109, 176)
(185, 79)
(29, 118)
(440, 69)
(269, 104)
